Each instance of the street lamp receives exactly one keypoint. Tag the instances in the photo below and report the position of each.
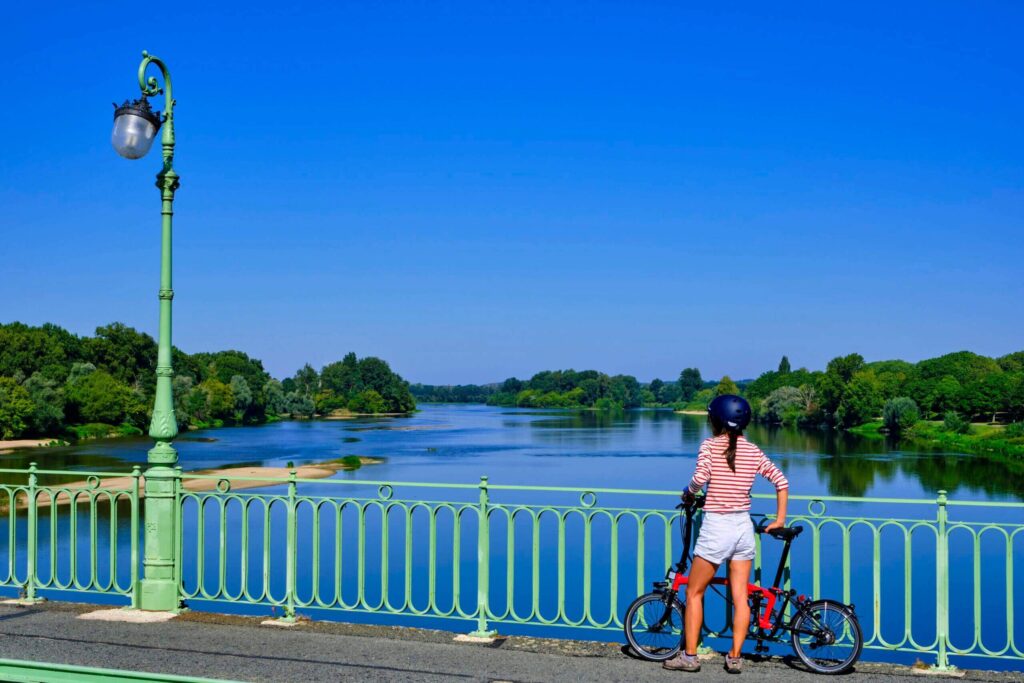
(135, 128)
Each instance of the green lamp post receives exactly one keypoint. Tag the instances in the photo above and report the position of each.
(135, 128)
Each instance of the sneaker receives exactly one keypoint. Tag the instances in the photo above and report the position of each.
(682, 662)
(733, 665)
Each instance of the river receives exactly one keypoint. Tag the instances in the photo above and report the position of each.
(633, 449)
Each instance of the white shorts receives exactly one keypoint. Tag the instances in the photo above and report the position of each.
(725, 536)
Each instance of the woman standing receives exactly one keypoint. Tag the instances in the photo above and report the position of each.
(727, 463)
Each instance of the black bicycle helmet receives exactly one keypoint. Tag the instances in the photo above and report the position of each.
(732, 412)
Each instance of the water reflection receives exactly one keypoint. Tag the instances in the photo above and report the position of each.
(846, 464)
(635, 449)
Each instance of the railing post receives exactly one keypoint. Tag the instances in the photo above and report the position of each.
(942, 585)
(291, 549)
(483, 566)
(136, 476)
(33, 535)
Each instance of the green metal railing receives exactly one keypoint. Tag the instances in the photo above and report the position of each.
(529, 556)
(93, 550)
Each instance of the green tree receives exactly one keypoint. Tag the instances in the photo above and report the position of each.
(100, 397)
(832, 386)
(220, 402)
(49, 350)
(376, 374)
(726, 386)
(945, 395)
(79, 370)
(182, 386)
(670, 393)
(1012, 362)
(952, 422)
(241, 395)
(343, 378)
(368, 401)
(703, 397)
(274, 393)
(655, 388)
(861, 399)
(307, 381)
(900, 414)
(784, 365)
(16, 408)
(690, 383)
(591, 390)
(48, 404)
(299, 405)
(625, 390)
(126, 354)
(785, 404)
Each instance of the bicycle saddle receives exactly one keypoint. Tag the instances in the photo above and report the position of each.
(786, 533)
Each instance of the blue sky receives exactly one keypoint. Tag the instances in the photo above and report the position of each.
(478, 190)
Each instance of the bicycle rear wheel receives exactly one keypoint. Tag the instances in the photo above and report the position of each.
(654, 626)
(831, 640)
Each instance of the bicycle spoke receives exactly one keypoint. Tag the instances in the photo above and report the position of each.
(657, 627)
(827, 638)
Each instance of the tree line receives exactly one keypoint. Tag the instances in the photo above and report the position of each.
(592, 389)
(849, 392)
(54, 383)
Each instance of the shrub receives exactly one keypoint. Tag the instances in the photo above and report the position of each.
(782, 404)
(15, 408)
(367, 401)
(1014, 430)
(900, 413)
(352, 462)
(952, 422)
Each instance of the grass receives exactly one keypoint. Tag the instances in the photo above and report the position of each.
(987, 440)
(872, 430)
(101, 430)
(1003, 443)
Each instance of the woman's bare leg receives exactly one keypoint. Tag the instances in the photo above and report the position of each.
(700, 576)
(739, 577)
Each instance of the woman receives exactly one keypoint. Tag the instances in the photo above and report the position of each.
(727, 463)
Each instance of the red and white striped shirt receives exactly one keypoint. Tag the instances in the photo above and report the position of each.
(729, 491)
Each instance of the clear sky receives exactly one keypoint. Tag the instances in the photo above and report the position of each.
(477, 190)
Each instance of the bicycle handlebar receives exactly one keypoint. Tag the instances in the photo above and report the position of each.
(782, 533)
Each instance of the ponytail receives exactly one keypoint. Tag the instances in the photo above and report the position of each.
(730, 452)
(717, 428)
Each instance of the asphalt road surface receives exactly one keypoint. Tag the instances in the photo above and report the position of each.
(238, 648)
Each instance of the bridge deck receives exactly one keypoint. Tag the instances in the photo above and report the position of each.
(237, 648)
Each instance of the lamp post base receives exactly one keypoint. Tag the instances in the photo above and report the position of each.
(159, 595)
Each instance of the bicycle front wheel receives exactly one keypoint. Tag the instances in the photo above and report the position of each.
(827, 637)
(654, 626)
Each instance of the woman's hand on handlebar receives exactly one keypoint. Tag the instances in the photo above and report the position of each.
(774, 524)
(688, 497)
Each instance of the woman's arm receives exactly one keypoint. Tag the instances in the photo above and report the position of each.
(782, 496)
(767, 469)
(702, 474)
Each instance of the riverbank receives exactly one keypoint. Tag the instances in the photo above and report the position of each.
(239, 478)
(97, 430)
(990, 441)
(8, 446)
